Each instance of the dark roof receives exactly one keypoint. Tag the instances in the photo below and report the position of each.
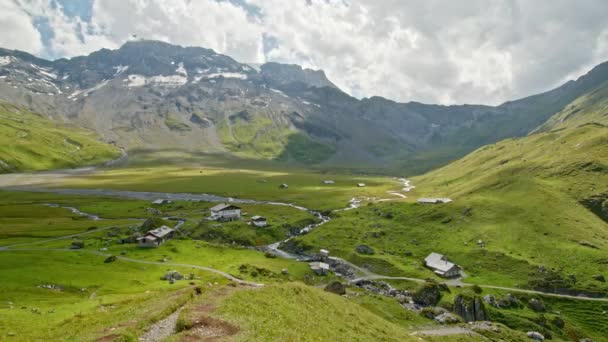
(258, 218)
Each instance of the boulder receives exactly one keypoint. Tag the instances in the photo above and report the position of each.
(154, 211)
(536, 305)
(470, 308)
(427, 295)
(336, 287)
(599, 277)
(364, 249)
(285, 271)
(489, 299)
(535, 335)
(110, 259)
(447, 318)
(171, 276)
(558, 322)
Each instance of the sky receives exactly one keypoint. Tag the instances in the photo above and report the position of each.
(432, 51)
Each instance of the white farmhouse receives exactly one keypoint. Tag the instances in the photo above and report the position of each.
(225, 212)
(259, 221)
(441, 266)
(319, 268)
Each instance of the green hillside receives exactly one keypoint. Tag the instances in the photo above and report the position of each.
(523, 198)
(29, 142)
(589, 108)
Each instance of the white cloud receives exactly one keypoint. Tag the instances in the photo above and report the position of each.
(432, 51)
(18, 31)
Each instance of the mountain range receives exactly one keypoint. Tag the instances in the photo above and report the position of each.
(154, 96)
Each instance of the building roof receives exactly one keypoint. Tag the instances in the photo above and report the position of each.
(224, 206)
(434, 200)
(258, 218)
(159, 232)
(438, 262)
(328, 181)
(161, 201)
(317, 265)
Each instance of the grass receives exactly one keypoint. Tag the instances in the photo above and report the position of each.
(29, 142)
(300, 312)
(519, 200)
(306, 188)
(95, 298)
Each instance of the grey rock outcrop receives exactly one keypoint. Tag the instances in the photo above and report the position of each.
(470, 308)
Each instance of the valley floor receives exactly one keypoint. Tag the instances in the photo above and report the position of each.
(111, 203)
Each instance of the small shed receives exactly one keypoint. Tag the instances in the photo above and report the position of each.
(319, 268)
(324, 253)
(361, 185)
(259, 221)
(225, 212)
(328, 181)
(155, 237)
(441, 266)
(433, 200)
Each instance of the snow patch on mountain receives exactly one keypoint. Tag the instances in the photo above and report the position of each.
(6, 60)
(159, 80)
(278, 92)
(181, 70)
(86, 92)
(44, 72)
(120, 69)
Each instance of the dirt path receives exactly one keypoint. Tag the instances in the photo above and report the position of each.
(161, 329)
(446, 332)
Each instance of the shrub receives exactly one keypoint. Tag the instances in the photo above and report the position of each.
(477, 289)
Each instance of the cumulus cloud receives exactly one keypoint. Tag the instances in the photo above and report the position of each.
(18, 30)
(431, 51)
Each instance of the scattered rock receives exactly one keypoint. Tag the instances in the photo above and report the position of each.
(172, 276)
(447, 318)
(285, 271)
(536, 305)
(364, 249)
(154, 211)
(110, 259)
(558, 322)
(78, 244)
(384, 289)
(336, 287)
(535, 335)
(599, 277)
(489, 299)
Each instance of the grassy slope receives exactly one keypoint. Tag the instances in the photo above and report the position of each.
(29, 142)
(519, 196)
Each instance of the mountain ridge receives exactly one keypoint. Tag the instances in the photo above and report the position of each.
(152, 95)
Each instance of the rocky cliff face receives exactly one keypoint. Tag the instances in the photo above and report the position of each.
(470, 308)
(154, 95)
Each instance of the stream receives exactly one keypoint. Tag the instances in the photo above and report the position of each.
(151, 196)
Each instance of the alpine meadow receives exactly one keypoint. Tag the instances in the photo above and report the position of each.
(228, 171)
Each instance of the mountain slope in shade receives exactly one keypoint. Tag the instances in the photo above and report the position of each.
(156, 96)
(29, 142)
(591, 107)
